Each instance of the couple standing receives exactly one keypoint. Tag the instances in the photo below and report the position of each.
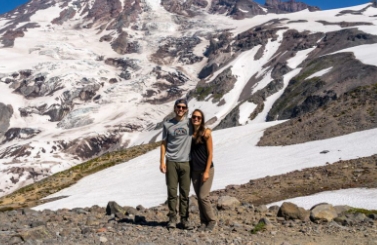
(187, 148)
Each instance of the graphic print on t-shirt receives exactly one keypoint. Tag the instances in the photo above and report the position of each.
(180, 132)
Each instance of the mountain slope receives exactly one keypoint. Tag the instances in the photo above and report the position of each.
(82, 78)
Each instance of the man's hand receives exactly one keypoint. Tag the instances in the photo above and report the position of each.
(163, 168)
(205, 176)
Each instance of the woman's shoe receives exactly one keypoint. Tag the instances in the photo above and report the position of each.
(211, 226)
(202, 227)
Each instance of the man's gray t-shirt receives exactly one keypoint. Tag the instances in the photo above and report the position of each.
(177, 135)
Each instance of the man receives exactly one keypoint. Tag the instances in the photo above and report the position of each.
(175, 147)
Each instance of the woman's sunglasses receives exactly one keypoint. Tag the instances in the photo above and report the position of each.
(196, 117)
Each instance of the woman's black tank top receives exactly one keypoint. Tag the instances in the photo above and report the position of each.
(199, 155)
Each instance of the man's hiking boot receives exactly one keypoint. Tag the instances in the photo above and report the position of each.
(211, 226)
(186, 224)
(172, 223)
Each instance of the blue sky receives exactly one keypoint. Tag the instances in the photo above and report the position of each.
(7, 5)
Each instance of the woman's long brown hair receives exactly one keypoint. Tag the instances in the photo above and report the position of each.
(202, 128)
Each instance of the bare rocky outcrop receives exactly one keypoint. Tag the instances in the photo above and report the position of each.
(122, 45)
(105, 10)
(355, 110)
(230, 120)
(218, 53)
(338, 40)
(345, 24)
(65, 15)
(279, 6)
(8, 38)
(19, 133)
(185, 8)
(215, 89)
(6, 112)
(237, 9)
(181, 48)
(317, 92)
(256, 36)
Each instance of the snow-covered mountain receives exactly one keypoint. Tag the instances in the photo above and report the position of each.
(80, 78)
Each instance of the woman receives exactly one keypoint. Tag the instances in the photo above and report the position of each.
(202, 170)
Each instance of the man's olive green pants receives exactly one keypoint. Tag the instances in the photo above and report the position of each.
(178, 173)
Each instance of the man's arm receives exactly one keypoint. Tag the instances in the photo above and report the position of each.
(162, 157)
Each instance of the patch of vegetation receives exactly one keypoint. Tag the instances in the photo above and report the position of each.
(6, 209)
(363, 211)
(261, 226)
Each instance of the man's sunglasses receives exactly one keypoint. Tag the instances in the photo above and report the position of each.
(196, 117)
(181, 107)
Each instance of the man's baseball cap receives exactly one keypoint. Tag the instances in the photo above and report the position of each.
(180, 101)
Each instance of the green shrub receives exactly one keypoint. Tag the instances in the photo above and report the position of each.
(259, 227)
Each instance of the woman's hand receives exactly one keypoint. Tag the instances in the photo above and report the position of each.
(205, 176)
(163, 168)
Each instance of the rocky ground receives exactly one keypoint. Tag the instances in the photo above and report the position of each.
(242, 215)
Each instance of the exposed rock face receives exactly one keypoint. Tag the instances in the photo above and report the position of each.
(105, 10)
(231, 120)
(238, 9)
(319, 91)
(215, 89)
(6, 112)
(181, 48)
(218, 53)
(279, 6)
(65, 15)
(8, 38)
(338, 40)
(121, 45)
(185, 8)
(19, 133)
(256, 36)
(168, 86)
(354, 110)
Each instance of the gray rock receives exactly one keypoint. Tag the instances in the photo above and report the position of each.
(92, 221)
(290, 211)
(261, 209)
(227, 202)
(323, 213)
(6, 112)
(33, 235)
(113, 208)
(15, 240)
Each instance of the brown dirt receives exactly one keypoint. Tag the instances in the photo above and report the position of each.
(356, 173)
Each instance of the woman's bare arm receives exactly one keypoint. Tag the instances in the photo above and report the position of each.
(209, 145)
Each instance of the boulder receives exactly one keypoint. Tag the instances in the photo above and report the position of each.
(291, 211)
(323, 213)
(35, 235)
(112, 208)
(227, 203)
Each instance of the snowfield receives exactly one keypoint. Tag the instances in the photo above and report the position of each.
(237, 160)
